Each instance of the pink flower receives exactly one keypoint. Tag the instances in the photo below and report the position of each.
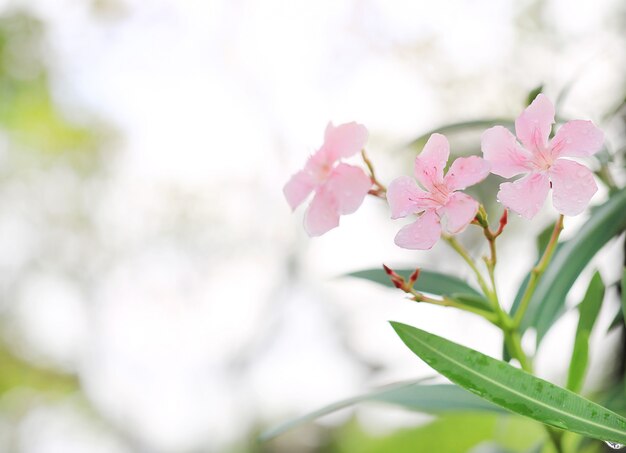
(440, 200)
(540, 160)
(339, 188)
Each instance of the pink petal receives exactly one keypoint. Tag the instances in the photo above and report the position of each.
(506, 156)
(344, 140)
(573, 186)
(430, 163)
(577, 138)
(421, 234)
(322, 214)
(405, 197)
(526, 195)
(534, 124)
(349, 186)
(466, 171)
(459, 212)
(298, 188)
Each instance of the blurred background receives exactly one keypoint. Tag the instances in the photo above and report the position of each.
(156, 292)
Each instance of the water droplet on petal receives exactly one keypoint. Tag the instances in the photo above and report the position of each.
(614, 445)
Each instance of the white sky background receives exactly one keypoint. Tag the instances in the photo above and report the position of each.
(195, 330)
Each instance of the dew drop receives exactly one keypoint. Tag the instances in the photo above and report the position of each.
(614, 445)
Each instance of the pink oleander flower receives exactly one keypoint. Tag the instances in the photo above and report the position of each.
(541, 161)
(339, 188)
(440, 200)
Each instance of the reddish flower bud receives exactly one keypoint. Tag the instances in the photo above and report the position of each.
(503, 221)
(414, 276)
(396, 279)
(397, 283)
(388, 270)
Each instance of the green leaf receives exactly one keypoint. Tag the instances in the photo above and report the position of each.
(547, 303)
(512, 388)
(623, 292)
(532, 94)
(451, 433)
(588, 309)
(541, 243)
(618, 320)
(428, 282)
(412, 395)
(543, 239)
(472, 300)
(420, 141)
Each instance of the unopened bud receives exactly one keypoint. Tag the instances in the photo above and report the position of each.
(396, 279)
(414, 276)
(503, 221)
(481, 217)
(389, 271)
(397, 283)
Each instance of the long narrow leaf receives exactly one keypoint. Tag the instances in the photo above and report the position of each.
(512, 388)
(548, 301)
(623, 292)
(588, 309)
(618, 320)
(461, 126)
(433, 283)
(541, 243)
(428, 282)
(412, 395)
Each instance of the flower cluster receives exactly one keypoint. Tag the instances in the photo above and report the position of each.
(339, 188)
(436, 197)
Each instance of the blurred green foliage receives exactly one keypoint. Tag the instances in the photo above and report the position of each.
(450, 434)
(16, 372)
(33, 123)
(30, 116)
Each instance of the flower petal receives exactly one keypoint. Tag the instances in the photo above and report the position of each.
(465, 172)
(573, 186)
(298, 188)
(577, 138)
(429, 164)
(322, 214)
(349, 186)
(405, 197)
(421, 234)
(344, 140)
(506, 156)
(526, 195)
(459, 212)
(534, 124)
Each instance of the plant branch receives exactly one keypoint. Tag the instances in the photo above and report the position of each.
(379, 190)
(408, 287)
(537, 271)
(447, 302)
(456, 245)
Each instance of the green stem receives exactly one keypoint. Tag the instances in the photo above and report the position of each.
(513, 342)
(537, 271)
(468, 259)
(447, 302)
(604, 173)
(491, 269)
(370, 167)
(500, 318)
(555, 437)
